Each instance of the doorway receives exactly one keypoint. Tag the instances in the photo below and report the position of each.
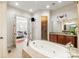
(21, 29)
(44, 27)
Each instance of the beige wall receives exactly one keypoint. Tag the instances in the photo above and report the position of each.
(78, 25)
(11, 14)
(37, 25)
(70, 10)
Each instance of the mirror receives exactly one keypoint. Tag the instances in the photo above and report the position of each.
(69, 27)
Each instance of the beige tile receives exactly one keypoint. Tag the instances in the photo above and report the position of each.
(17, 52)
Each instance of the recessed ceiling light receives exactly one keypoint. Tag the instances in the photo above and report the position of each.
(16, 4)
(59, 1)
(30, 10)
(47, 6)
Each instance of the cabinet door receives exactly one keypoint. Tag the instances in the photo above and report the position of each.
(53, 38)
(61, 39)
(49, 37)
(71, 39)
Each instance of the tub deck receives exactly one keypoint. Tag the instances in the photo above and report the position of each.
(30, 53)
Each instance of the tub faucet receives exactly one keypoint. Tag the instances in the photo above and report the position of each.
(28, 42)
(29, 39)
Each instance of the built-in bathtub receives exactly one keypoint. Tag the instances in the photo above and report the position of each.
(49, 49)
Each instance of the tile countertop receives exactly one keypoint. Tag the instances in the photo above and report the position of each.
(61, 33)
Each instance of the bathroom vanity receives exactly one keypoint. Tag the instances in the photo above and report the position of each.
(63, 38)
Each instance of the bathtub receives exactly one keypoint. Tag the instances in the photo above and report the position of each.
(49, 49)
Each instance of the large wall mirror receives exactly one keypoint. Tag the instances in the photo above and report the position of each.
(70, 26)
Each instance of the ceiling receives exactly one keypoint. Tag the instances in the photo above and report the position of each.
(38, 5)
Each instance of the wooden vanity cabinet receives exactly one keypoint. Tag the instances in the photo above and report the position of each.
(53, 37)
(71, 39)
(61, 39)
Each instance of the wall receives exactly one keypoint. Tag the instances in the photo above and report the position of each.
(12, 13)
(37, 24)
(78, 25)
(70, 10)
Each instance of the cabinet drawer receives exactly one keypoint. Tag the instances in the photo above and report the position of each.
(71, 39)
(61, 39)
(53, 38)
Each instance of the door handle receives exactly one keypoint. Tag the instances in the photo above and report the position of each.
(1, 37)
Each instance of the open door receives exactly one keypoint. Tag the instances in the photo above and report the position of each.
(3, 30)
(44, 26)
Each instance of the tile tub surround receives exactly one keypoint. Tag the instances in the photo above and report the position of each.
(43, 50)
(74, 52)
(30, 53)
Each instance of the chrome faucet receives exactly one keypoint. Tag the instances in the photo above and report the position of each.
(28, 42)
(29, 39)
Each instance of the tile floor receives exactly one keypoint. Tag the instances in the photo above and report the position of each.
(17, 52)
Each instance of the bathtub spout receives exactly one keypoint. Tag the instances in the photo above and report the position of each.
(29, 39)
(28, 42)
